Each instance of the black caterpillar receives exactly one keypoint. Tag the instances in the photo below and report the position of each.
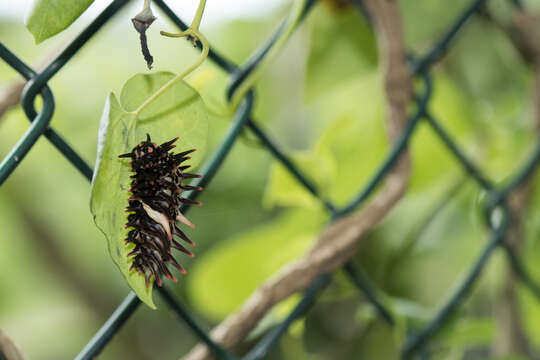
(154, 207)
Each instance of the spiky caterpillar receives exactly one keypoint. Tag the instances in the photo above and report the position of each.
(154, 208)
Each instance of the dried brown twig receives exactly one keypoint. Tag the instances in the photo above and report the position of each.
(8, 348)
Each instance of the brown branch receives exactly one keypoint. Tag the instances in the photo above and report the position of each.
(10, 95)
(524, 33)
(339, 241)
(511, 337)
(9, 349)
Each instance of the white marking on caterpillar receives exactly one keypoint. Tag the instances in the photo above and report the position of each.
(159, 218)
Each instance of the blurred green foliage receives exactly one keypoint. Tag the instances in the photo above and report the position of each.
(322, 100)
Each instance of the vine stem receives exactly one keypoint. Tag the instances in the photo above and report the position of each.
(193, 32)
(296, 15)
(198, 15)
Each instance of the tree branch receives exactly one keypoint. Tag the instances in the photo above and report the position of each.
(524, 33)
(8, 348)
(339, 241)
(511, 338)
(10, 95)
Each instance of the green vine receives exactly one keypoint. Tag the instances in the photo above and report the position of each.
(193, 34)
(296, 14)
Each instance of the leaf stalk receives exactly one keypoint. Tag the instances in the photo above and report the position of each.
(195, 35)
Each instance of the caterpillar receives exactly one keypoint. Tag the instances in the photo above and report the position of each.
(153, 208)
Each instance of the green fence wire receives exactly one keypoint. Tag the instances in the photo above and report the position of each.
(496, 208)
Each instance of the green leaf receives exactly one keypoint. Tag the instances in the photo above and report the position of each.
(47, 18)
(467, 332)
(277, 314)
(355, 136)
(179, 111)
(211, 84)
(253, 256)
(433, 162)
(418, 33)
(381, 341)
(284, 189)
(342, 43)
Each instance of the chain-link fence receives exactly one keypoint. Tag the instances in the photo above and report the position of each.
(498, 213)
